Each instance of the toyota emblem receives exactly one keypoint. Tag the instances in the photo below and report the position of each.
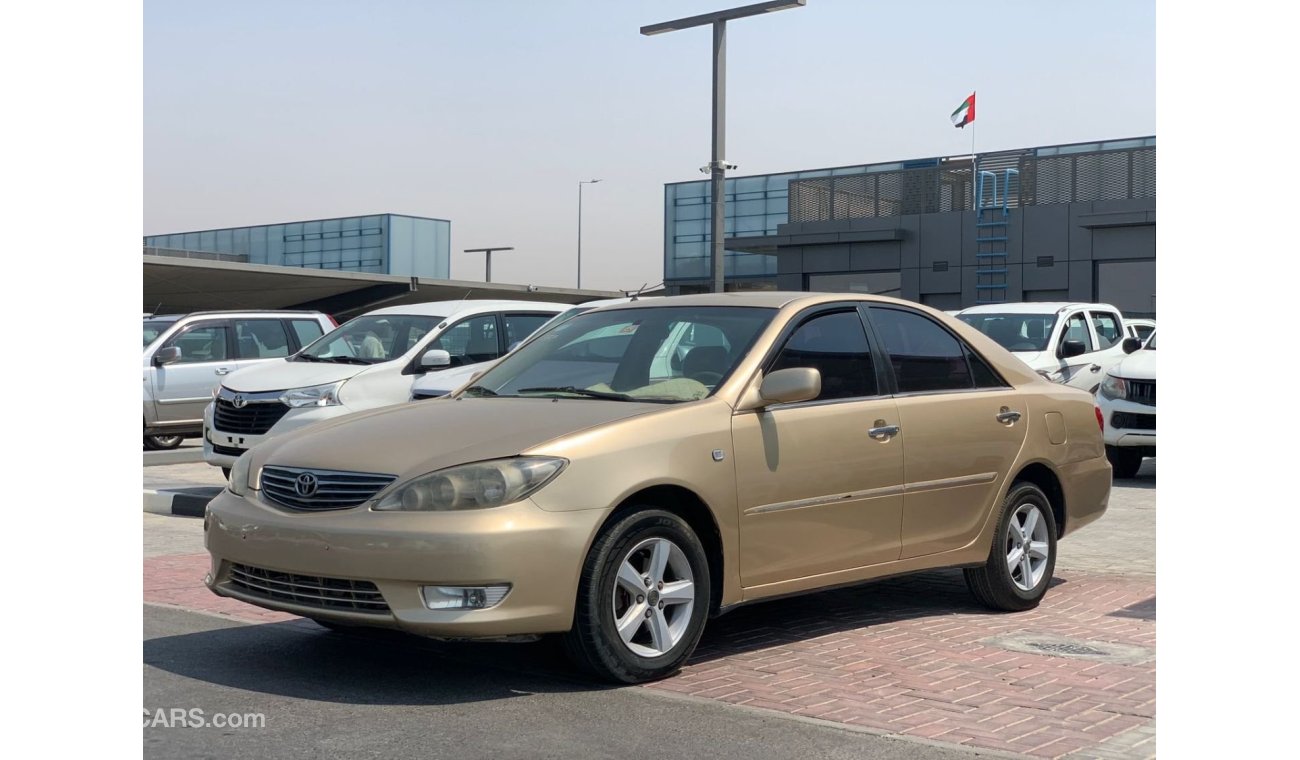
(240, 402)
(305, 485)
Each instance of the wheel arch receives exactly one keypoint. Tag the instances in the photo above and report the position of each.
(687, 505)
(1043, 476)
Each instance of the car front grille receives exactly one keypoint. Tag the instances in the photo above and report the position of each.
(1142, 391)
(320, 490)
(1132, 421)
(308, 590)
(254, 419)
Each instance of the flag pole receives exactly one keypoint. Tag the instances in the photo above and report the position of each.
(974, 170)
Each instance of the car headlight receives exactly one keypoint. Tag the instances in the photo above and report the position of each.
(316, 395)
(239, 475)
(474, 486)
(1113, 387)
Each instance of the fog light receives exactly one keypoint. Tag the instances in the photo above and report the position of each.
(463, 597)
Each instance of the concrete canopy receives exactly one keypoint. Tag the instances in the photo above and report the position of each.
(178, 285)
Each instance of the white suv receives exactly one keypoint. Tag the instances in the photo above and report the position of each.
(1127, 398)
(1069, 343)
(368, 362)
(187, 355)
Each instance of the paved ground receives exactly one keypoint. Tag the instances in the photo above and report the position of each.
(834, 673)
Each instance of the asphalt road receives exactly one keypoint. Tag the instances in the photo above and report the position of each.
(327, 694)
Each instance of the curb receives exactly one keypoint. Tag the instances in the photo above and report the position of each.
(180, 502)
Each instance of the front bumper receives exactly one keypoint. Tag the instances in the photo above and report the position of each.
(231, 445)
(539, 553)
(1127, 436)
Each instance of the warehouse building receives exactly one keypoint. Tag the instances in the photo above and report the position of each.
(1062, 222)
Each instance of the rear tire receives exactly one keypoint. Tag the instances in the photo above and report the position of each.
(162, 442)
(643, 598)
(1022, 559)
(1124, 462)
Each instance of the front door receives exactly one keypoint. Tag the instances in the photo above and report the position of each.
(817, 491)
(183, 388)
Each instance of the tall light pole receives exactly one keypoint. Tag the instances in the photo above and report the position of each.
(488, 251)
(717, 164)
(580, 184)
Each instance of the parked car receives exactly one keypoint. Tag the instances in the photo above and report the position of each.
(439, 384)
(1140, 328)
(186, 355)
(1069, 343)
(598, 489)
(1127, 398)
(370, 361)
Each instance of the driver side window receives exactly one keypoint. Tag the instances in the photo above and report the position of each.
(835, 344)
(471, 341)
(1076, 328)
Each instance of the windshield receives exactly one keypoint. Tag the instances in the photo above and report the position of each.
(1014, 332)
(370, 340)
(665, 355)
(1151, 343)
(155, 327)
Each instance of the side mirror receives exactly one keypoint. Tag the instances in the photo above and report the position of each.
(1131, 345)
(1072, 348)
(435, 357)
(786, 386)
(168, 355)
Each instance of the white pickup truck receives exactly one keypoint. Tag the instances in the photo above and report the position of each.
(1069, 343)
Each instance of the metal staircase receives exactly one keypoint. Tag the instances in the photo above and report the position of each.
(992, 216)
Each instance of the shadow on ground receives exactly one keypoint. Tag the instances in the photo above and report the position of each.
(302, 660)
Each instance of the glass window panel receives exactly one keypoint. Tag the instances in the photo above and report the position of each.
(835, 345)
(470, 341)
(260, 339)
(925, 357)
(205, 342)
(307, 330)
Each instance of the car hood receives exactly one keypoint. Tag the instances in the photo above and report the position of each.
(283, 375)
(414, 438)
(1139, 365)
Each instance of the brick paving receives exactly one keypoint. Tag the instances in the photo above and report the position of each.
(913, 657)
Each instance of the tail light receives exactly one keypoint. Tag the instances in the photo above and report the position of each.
(1101, 419)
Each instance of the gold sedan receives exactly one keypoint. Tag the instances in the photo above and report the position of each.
(628, 474)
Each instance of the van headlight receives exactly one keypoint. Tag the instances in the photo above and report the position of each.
(474, 486)
(239, 475)
(315, 395)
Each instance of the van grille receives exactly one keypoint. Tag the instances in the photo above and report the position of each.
(308, 590)
(320, 490)
(254, 419)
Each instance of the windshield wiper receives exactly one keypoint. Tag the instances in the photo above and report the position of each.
(306, 358)
(580, 392)
(343, 360)
(481, 391)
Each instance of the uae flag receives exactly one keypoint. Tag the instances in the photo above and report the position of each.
(965, 112)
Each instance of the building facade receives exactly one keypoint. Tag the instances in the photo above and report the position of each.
(1063, 222)
(383, 243)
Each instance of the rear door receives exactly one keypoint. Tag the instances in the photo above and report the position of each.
(962, 429)
(260, 340)
(520, 324)
(182, 389)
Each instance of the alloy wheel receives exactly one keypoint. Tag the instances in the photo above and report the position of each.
(1027, 547)
(654, 596)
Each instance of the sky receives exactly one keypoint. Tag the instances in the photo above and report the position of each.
(489, 112)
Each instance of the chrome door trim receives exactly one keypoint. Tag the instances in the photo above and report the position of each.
(964, 480)
(817, 501)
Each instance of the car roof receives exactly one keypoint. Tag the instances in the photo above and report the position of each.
(1034, 307)
(235, 313)
(449, 308)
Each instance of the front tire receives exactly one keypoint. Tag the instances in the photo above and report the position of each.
(1125, 463)
(162, 442)
(1023, 556)
(643, 597)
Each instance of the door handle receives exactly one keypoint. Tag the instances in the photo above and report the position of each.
(1008, 415)
(223, 370)
(882, 431)
(1095, 368)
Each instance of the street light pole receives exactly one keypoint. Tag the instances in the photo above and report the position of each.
(580, 184)
(717, 163)
(488, 257)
